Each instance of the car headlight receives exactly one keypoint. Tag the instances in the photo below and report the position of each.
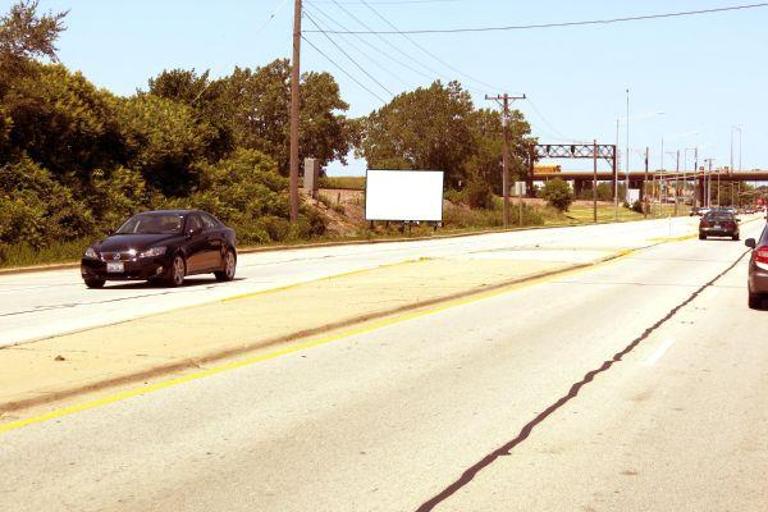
(91, 253)
(153, 252)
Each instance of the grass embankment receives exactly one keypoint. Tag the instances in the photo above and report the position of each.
(458, 220)
(343, 182)
(583, 213)
(23, 255)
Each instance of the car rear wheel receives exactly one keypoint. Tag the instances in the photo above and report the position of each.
(93, 282)
(755, 300)
(230, 264)
(736, 238)
(702, 237)
(176, 272)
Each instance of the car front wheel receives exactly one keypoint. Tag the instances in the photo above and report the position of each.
(230, 264)
(177, 272)
(93, 282)
(755, 301)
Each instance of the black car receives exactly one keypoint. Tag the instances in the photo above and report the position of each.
(719, 223)
(163, 245)
(758, 269)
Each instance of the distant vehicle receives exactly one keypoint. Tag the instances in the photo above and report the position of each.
(163, 246)
(719, 223)
(757, 282)
(699, 210)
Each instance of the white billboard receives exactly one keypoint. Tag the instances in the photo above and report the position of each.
(404, 196)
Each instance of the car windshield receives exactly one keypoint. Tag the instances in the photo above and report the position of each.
(718, 216)
(153, 223)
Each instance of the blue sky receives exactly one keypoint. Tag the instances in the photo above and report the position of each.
(705, 73)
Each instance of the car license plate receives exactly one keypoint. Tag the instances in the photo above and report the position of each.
(114, 267)
(717, 226)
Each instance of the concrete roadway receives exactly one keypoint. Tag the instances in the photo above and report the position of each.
(489, 406)
(39, 305)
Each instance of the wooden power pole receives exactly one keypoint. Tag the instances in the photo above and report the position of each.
(293, 183)
(505, 99)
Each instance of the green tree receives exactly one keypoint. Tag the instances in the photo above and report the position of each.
(486, 162)
(423, 129)
(26, 35)
(162, 141)
(439, 128)
(37, 210)
(62, 121)
(558, 194)
(204, 97)
(250, 109)
(116, 195)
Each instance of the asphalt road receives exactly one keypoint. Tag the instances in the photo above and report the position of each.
(641, 384)
(39, 305)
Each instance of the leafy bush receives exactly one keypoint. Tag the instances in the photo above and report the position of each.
(479, 194)
(37, 210)
(558, 194)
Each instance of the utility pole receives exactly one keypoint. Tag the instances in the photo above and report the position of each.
(626, 198)
(709, 161)
(505, 99)
(677, 182)
(616, 174)
(645, 182)
(293, 183)
(594, 180)
(696, 165)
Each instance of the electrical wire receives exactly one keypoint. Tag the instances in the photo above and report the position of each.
(396, 2)
(348, 56)
(394, 47)
(272, 16)
(340, 68)
(314, 10)
(563, 24)
(426, 51)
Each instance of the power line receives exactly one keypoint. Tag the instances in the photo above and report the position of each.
(348, 56)
(604, 21)
(551, 126)
(395, 2)
(338, 66)
(393, 46)
(279, 7)
(420, 47)
(317, 11)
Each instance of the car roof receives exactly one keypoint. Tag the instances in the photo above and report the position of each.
(175, 212)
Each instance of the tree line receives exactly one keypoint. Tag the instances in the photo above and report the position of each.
(76, 159)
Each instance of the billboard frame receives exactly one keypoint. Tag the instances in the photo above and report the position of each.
(410, 221)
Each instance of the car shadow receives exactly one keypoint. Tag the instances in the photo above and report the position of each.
(189, 282)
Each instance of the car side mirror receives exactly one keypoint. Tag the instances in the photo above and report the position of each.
(751, 243)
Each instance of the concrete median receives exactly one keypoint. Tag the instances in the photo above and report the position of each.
(186, 340)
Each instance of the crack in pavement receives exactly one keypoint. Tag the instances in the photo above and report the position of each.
(506, 449)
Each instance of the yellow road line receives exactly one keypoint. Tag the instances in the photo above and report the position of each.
(365, 328)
